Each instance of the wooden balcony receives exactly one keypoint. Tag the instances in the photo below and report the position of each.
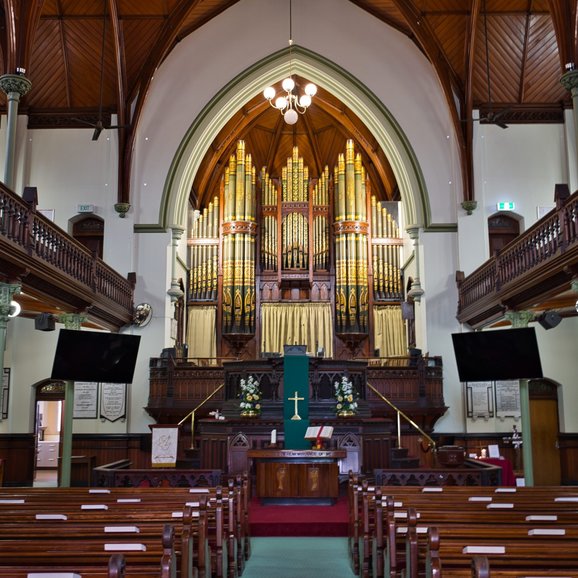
(58, 274)
(538, 271)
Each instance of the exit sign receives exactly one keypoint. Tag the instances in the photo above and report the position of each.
(86, 208)
(506, 206)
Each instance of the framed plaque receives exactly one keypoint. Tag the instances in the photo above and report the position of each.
(480, 399)
(508, 399)
(5, 392)
(85, 399)
(112, 401)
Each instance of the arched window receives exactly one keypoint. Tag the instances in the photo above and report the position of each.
(502, 229)
(89, 230)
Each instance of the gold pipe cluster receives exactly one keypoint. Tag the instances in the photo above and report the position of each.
(321, 223)
(239, 247)
(269, 242)
(295, 234)
(386, 255)
(205, 253)
(295, 179)
(351, 253)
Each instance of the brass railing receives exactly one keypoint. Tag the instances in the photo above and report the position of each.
(400, 414)
(191, 414)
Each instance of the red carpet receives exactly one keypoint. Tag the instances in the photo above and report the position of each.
(298, 520)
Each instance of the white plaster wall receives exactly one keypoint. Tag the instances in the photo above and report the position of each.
(522, 164)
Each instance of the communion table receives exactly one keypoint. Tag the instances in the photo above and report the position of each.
(297, 476)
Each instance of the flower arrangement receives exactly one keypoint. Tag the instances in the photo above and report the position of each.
(250, 397)
(346, 397)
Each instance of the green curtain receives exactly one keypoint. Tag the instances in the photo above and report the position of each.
(309, 324)
(202, 331)
(389, 328)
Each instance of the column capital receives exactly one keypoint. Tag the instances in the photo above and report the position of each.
(7, 292)
(10, 83)
(569, 80)
(412, 232)
(71, 320)
(469, 206)
(122, 209)
(519, 318)
(177, 232)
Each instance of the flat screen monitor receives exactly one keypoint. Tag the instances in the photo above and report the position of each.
(94, 356)
(497, 354)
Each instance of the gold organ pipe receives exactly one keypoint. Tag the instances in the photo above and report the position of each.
(232, 187)
(227, 196)
(349, 182)
(240, 183)
(341, 187)
(227, 294)
(359, 197)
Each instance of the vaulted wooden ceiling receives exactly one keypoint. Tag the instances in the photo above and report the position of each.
(74, 81)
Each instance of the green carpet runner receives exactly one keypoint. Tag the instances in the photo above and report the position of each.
(298, 558)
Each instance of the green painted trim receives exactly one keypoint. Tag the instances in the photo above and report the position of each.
(149, 228)
(441, 228)
(372, 112)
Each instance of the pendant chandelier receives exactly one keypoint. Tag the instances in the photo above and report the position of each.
(290, 105)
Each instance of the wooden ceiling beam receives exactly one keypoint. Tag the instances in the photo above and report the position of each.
(164, 43)
(449, 82)
(565, 21)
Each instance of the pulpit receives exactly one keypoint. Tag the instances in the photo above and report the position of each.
(297, 476)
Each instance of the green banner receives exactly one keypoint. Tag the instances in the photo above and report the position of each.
(296, 401)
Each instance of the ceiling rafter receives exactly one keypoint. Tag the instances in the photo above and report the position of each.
(162, 46)
(446, 78)
(565, 21)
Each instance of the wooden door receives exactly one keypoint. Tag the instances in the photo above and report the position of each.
(545, 430)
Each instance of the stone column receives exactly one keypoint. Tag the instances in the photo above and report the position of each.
(71, 321)
(416, 290)
(7, 292)
(175, 292)
(15, 86)
(521, 319)
(569, 81)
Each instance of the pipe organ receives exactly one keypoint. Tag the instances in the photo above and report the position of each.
(239, 235)
(293, 240)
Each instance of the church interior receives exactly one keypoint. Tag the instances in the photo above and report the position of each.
(301, 252)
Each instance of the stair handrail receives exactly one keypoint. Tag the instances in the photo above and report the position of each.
(192, 414)
(400, 413)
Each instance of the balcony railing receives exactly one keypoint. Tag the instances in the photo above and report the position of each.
(31, 241)
(535, 263)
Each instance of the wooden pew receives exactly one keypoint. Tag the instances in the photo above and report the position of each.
(223, 514)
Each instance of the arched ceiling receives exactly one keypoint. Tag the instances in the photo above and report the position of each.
(320, 134)
(60, 45)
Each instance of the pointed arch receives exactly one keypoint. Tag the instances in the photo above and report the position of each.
(356, 96)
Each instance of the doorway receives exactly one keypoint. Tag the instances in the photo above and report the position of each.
(545, 432)
(47, 432)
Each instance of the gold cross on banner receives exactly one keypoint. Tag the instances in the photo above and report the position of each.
(296, 399)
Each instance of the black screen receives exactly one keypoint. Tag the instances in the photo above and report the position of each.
(498, 354)
(93, 356)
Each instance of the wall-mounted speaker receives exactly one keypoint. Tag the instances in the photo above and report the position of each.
(549, 319)
(45, 322)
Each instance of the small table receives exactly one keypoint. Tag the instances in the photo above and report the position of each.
(508, 477)
(297, 476)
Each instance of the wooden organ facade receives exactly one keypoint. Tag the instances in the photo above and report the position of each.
(320, 255)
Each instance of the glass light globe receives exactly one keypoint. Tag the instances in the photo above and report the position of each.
(281, 103)
(311, 89)
(288, 84)
(305, 100)
(269, 93)
(291, 116)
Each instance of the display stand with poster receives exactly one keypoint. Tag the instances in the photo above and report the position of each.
(165, 438)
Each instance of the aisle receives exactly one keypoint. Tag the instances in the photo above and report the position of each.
(298, 558)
